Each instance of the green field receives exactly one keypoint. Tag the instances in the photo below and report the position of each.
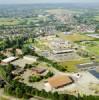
(74, 37)
(16, 21)
(96, 18)
(71, 65)
(92, 47)
(8, 21)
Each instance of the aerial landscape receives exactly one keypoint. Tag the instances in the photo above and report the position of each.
(49, 50)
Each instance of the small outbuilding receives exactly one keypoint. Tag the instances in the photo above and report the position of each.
(38, 70)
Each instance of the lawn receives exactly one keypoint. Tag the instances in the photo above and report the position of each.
(74, 37)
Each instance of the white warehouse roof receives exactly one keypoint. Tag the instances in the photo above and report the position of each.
(62, 51)
(9, 59)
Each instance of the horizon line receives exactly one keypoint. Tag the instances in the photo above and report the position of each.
(49, 3)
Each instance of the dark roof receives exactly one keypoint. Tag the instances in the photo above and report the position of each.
(38, 70)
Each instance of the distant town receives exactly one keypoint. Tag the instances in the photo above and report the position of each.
(49, 52)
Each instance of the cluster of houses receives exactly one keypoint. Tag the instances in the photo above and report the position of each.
(85, 28)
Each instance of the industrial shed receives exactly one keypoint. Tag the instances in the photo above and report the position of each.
(58, 82)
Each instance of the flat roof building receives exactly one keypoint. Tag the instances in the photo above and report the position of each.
(9, 59)
(62, 51)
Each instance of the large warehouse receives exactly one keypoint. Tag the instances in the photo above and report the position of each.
(57, 82)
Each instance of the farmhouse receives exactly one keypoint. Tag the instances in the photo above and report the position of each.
(57, 82)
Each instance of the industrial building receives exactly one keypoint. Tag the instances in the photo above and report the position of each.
(57, 82)
(9, 59)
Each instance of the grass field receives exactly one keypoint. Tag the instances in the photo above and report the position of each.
(71, 65)
(1, 42)
(16, 21)
(8, 21)
(2, 98)
(74, 37)
(96, 18)
(97, 60)
(38, 43)
(94, 49)
(41, 44)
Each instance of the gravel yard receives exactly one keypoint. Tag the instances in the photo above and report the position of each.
(81, 85)
(22, 62)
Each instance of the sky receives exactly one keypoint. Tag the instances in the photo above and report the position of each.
(45, 1)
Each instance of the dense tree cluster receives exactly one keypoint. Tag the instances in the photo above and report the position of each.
(54, 64)
(97, 28)
(5, 72)
(15, 43)
(2, 56)
(21, 90)
(35, 78)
